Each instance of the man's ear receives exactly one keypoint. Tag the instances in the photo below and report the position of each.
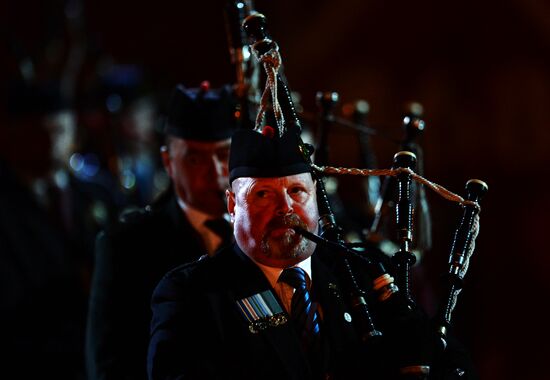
(230, 197)
(165, 155)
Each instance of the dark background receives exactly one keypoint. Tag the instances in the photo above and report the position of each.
(479, 68)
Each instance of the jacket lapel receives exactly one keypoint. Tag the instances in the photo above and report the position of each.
(248, 280)
(184, 233)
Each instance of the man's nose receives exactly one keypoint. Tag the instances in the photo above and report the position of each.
(284, 205)
(220, 166)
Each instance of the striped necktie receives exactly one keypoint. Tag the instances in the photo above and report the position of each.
(302, 313)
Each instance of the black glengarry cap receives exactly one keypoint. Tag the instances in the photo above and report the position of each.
(202, 113)
(265, 155)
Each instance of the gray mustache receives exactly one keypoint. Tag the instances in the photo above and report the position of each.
(288, 221)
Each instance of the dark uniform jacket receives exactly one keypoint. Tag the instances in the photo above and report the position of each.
(131, 258)
(199, 331)
(44, 278)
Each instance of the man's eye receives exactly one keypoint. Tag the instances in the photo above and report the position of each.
(298, 193)
(297, 190)
(264, 194)
(261, 194)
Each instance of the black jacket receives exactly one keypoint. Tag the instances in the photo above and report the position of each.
(199, 332)
(131, 258)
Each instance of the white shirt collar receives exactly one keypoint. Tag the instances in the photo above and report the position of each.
(273, 274)
(197, 218)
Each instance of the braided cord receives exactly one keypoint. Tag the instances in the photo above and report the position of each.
(447, 194)
(271, 61)
(471, 246)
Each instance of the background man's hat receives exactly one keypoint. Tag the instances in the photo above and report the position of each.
(265, 155)
(202, 113)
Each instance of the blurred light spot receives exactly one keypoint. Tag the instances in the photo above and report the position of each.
(373, 189)
(91, 165)
(76, 161)
(347, 109)
(388, 247)
(99, 212)
(331, 185)
(61, 179)
(128, 179)
(415, 108)
(240, 5)
(352, 236)
(246, 53)
(161, 182)
(362, 106)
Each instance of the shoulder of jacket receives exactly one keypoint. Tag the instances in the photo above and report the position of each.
(205, 269)
(190, 267)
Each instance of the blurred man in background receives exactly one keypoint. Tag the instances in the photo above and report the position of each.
(48, 223)
(182, 224)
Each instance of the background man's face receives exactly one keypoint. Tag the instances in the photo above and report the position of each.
(199, 172)
(264, 210)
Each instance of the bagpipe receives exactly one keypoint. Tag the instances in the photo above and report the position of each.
(389, 284)
(247, 69)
